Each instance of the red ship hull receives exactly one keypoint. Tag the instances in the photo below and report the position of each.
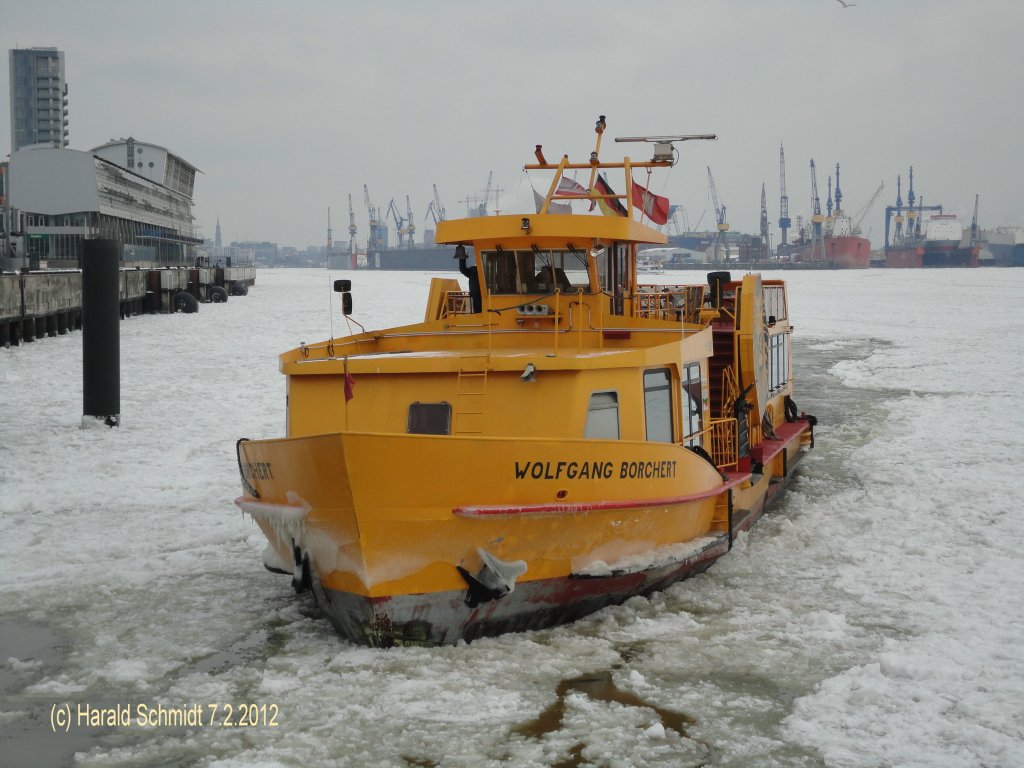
(924, 256)
(848, 252)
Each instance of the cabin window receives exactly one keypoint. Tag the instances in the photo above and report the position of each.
(658, 405)
(603, 416)
(430, 419)
(778, 361)
(774, 302)
(693, 409)
(535, 271)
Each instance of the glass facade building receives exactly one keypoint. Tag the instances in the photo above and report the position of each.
(39, 98)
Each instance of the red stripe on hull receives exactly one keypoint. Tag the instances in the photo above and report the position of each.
(593, 506)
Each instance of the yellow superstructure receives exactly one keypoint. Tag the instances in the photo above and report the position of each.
(554, 439)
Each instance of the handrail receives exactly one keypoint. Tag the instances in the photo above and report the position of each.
(730, 389)
(670, 302)
(719, 438)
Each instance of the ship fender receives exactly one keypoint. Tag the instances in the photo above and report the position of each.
(185, 302)
(301, 577)
(217, 294)
(791, 409)
(493, 579)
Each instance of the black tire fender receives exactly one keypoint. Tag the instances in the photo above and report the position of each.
(185, 302)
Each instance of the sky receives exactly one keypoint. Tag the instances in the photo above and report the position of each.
(289, 108)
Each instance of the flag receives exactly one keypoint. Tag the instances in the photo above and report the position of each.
(609, 207)
(570, 188)
(350, 386)
(553, 207)
(654, 206)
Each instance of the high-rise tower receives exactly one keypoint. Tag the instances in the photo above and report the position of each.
(39, 97)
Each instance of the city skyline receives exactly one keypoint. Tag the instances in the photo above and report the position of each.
(284, 125)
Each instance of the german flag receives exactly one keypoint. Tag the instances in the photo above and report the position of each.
(609, 207)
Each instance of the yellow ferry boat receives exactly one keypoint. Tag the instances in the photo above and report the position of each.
(551, 439)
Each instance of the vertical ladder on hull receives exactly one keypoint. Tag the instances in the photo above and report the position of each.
(470, 391)
(724, 518)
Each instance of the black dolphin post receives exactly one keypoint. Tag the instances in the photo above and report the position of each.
(101, 339)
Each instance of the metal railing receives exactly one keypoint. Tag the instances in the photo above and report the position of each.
(457, 303)
(719, 439)
(670, 302)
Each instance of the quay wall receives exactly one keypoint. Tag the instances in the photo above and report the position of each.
(35, 305)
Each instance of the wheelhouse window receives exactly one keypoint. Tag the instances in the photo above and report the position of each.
(603, 416)
(429, 419)
(535, 271)
(658, 405)
(693, 409)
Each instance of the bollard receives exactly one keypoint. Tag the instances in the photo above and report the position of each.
(101, 341)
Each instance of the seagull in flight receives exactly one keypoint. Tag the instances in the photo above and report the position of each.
(846, 4)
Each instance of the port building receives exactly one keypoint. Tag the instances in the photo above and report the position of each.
(134, 192)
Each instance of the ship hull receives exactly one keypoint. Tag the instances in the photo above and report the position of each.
(397, 259)
(404, 559)
(930, 256)
(849, 252)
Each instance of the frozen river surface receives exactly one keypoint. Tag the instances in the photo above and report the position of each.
(875, 617)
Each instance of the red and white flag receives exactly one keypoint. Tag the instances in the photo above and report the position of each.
(570, 188)
(654, 206)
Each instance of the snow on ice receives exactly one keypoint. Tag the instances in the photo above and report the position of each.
(873, 618)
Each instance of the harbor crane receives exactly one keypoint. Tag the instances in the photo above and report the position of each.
(764, 224)
(477, 205)
(898, 236)
(438, 208)
(859, 217)
(372, 244)
(674, 220)
(817, 220)
(720, 220)
(411, 225)
(487, 194)
(435, 210)
(913, 222)
(399, 222)
(784, 220)
(351, 228)
(901, 235)
(839, 195)
(974, 223)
